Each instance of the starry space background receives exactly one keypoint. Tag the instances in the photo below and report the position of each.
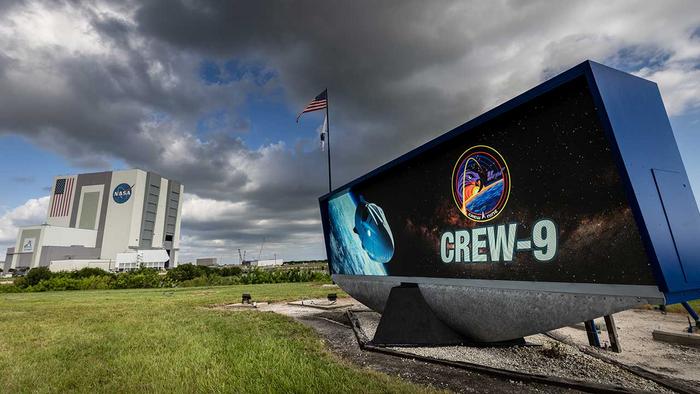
(562, 169)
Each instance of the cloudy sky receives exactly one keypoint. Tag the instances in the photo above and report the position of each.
(207, 92)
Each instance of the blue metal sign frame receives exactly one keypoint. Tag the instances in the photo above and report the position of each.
(636, 125)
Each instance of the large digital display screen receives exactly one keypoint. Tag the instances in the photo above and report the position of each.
(531, 195)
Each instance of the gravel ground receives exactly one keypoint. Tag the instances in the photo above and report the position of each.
(335, 328)
(550, 357)
(547, 357)
(634, 328)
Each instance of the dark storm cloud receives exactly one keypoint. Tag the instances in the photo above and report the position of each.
(249, 232)
(359, 50)
(96, 81)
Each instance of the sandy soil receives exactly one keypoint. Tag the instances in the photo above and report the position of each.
(634, 328)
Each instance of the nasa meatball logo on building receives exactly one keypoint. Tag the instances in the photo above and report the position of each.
(480, 183)
(121, 193)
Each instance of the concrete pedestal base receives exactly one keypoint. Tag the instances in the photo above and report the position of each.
(408, 321)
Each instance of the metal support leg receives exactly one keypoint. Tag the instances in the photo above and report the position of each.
(612, 334)
(692, 313)
(592, 333)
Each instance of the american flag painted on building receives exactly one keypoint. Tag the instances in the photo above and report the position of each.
(61, 198)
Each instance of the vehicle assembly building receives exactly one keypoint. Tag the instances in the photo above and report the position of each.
(117, 220)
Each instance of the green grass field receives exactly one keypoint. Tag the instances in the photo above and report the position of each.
(158, 340)
(678, 308)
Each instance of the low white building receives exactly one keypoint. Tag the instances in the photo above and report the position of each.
(207, 261)
(266, 263)
(154, 258)
(76, 264)
(118, 219)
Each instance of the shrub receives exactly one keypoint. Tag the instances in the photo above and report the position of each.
(21, 282)
(88, 272)
(36, 275)
(101, 282)
(10, 289)
(195, 282)
(229, 280)
(186, 275)
(56, 283)
(185, 272)
(230, 271)
(142, 278)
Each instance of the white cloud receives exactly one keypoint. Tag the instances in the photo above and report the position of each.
(679, 83)
(198, 209)
(32, 212)
(218, 228)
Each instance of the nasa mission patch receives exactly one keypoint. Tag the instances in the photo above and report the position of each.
(480, 183)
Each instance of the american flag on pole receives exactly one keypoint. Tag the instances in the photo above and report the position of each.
(60, 201)
(318, 103)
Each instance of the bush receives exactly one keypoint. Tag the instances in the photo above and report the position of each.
(186, 275)
(10, 289)
(229, 280)
(185, 272)
(196, 282)
(230, 271)
(36, 275)
(143, 278)
(88, 272)
(21, 282)
(101, 282)
(56, 283)
(257, 275)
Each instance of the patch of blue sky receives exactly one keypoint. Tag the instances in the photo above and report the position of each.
(27, 171)
(233, 70)
(24, 172)
(264, 118)
(637, 57)
(213, 121)
(272, 121)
